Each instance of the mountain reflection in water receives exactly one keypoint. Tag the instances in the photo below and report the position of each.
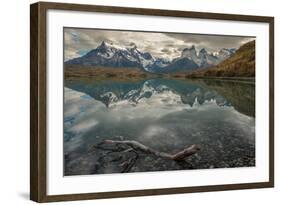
(164, 114)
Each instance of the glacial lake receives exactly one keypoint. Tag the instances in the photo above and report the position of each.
(164, 114)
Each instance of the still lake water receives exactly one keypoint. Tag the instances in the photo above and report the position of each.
(165, 114)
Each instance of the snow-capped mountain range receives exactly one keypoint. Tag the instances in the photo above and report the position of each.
(108, 55)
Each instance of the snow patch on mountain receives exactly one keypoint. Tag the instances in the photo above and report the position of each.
(191, 54)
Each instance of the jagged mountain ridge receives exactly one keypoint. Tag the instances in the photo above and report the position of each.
(108, 55)
(240, 64)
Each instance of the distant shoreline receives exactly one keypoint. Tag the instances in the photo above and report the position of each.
(106, 73)
(242, 79)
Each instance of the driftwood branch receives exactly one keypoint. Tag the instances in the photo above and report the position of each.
(181, 155)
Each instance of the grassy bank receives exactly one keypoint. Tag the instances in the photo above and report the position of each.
(102, 73)
(135, 74)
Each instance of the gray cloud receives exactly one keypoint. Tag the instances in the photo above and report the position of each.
(211, 42)
(168, 45)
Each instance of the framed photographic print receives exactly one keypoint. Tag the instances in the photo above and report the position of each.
(134, 102)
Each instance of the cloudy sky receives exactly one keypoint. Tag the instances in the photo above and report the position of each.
(77, 42)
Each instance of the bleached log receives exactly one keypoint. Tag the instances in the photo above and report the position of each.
(181, 155)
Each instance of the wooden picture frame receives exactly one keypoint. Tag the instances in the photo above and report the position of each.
(38, 100)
